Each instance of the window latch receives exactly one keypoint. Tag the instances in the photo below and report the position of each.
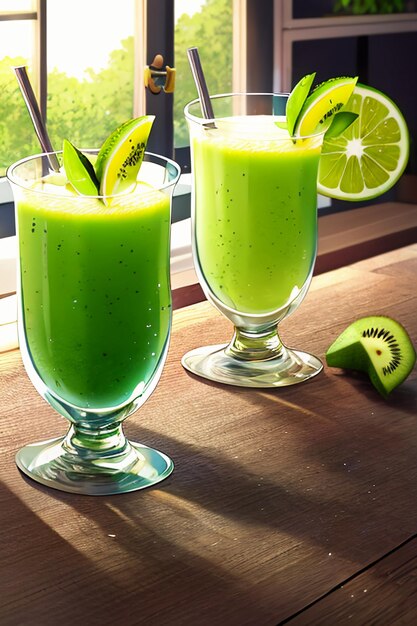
(157, 78)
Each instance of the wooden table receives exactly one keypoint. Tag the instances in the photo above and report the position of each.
(293, 506)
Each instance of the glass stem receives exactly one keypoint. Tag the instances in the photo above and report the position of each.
(255, 345)
(92, 442)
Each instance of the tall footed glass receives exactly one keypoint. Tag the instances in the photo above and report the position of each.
(254, 222)
(94, 320)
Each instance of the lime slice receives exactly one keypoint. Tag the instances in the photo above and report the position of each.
(79, 170)
(324, 101)
(121, 155)
(368, 158)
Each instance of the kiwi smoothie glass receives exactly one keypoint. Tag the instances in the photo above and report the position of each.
(254, 223)
(94, 320)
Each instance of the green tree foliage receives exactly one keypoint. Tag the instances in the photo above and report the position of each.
(211, 30)
(16, 135)
(86, 111)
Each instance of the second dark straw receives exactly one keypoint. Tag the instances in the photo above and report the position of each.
(35, 115)
(200, 82)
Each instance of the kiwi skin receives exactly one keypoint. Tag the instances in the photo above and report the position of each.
(123, 135)
(377, 345)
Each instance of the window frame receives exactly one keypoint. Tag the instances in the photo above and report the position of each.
(154, 33)
(38, 16)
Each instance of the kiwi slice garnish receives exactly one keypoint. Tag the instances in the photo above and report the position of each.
(308, 112)
(121, 156)
(323, 103)
(377, 345)
(118, 161)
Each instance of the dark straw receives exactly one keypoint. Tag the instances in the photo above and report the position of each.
(36, 117)
(200, 82)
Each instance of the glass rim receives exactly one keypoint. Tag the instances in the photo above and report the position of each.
(205, 121)
(12, 178)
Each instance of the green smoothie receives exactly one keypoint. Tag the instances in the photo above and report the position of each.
(96, 300)
(255, 212)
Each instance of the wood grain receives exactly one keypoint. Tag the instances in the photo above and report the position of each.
(384, 594)
(276, 498)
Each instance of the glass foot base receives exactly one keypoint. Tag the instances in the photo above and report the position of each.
(289, 368)
(50, 464)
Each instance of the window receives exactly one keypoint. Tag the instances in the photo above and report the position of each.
(173, 26)
(86, 63)
(89, 72)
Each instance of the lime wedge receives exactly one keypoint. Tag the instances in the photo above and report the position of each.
(368, 158)
(79, 170)
(296, 100)
(323, 102)
(121, 155)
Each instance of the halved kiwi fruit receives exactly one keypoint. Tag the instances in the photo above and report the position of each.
(377, 345)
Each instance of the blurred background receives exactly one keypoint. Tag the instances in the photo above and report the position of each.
(86, 61)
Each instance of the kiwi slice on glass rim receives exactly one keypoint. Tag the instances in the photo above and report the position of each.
(121, 156)
(309, 112)
(377, 345)
(118, 161)
(325, 101)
